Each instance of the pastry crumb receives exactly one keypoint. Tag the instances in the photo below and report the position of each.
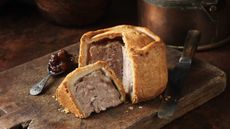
(167, 98)
(63, 110)
(54, 97)
(140, 107)
(131, 108)
(66, 111)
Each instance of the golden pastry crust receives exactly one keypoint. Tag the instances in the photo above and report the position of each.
(146, 52)
(63, 92)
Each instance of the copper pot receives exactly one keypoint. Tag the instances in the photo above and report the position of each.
(73, 12)
(172, 19)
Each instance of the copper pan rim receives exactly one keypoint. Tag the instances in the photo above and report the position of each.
(205, 47)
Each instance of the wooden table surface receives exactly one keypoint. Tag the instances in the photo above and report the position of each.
(25, 35)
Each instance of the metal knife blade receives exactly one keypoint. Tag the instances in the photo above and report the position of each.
(177, 76)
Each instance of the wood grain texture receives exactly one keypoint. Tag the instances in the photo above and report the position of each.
(204, 82)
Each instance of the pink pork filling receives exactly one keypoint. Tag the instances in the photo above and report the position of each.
(95, 92)
(109, 50)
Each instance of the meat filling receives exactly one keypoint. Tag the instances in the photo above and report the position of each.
(114, 53)
(109, 51)
(95, 92)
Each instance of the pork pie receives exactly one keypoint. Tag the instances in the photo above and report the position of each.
(137, 56)
(88, 89)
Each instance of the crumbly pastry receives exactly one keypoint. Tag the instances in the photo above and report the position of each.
(137, 56)
(88, 89)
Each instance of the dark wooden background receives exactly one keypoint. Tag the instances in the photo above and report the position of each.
(26, 35)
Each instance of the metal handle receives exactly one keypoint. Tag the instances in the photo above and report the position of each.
(191, 43)
(37, 88)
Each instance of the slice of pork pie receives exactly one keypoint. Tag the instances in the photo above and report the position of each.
(88, 89)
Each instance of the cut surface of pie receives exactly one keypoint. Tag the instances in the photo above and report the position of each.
(92, 88)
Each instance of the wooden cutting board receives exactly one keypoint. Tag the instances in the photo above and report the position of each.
(18, 109)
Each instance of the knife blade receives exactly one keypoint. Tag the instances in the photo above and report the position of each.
(177, 76)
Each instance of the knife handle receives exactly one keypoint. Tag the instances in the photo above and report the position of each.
(191, 42)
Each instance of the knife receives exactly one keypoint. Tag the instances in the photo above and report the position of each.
(177, 76)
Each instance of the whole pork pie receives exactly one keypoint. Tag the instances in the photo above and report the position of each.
(136, 55)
